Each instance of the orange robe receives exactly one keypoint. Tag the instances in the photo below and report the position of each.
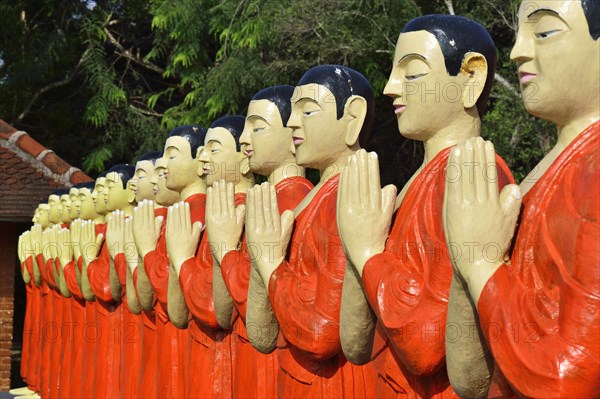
(52, 330)
(255, 373)
(31, 354)
(131, 327)
(76, 365)
(408, 286)
(107, 358)
(210, 348)
(540, 314)
(148, 373)
(170, 341)
(306, 292)
(45, 322)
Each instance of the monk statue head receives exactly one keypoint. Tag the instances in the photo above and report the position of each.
(99, 194)
(557, 52)
(332, 114)
(180, 152)
(55, 206)
(65, 201)
(87, 210)
(267, 140)
(141, 184)
(119, 194)
(42, 215)
(221, 155)
(442, 75)
(74, 199)
(163, 195)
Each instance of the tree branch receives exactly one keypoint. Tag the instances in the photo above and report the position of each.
(51, 86)
(502, 80)
(450, 6)
(145, 112)
(122, 51)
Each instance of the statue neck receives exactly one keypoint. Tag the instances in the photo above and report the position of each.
(570, 130)
(246, 182)
(460, 130)
(197, 187)
(287, 169)
(335, 167)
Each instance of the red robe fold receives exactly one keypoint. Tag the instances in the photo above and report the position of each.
(30, 356)
(107, 358)
(170, 341)
(210, 347)
(255, 373)
(52, 330)
(306, 293)
(408, 286)
(46, 315)
(541, 313)
(78, 322)
(131, 352)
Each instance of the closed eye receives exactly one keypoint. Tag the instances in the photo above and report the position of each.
(308, 113)
(258, 129)
(547, 34)
(415, 77)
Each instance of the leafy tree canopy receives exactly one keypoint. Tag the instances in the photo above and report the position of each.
(104, 81)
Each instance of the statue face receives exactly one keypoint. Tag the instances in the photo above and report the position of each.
(181, 167)
(43, 211)
(162, 195)
(141, 184)
(555, 55)
(55, 208)
(99, 196)
(116, 196)
(265, 141)
(74, 199)
(319, 137)
(220, 156)
(425, 96)
(87, 209)
(65, 201)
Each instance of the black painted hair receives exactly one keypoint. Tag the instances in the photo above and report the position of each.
(281, 96)
(344, 82)
(103, 174)
(457, 36)
(591, 9)
(89, 185)
(125, 172)
(194, 134)
(151, 156)
(60, 191)
(234, 124)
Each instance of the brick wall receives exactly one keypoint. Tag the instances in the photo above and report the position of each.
(8, 247)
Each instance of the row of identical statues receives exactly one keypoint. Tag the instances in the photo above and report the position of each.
(181, 277)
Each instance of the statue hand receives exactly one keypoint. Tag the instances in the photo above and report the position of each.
(65, 252)
(52, 240)
(75, 237)
(131, 253)
(364, 209)
(90, 243)
(146, 228)
(115, 232)
(182, 236)
(20, 248)
(479, 222)
(224, 222)
(36, 238)
(268, 233)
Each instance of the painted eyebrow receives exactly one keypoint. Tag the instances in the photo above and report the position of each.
(172, 146)
(412, 55)
(543, 10)
(252, 117)
(213, 141)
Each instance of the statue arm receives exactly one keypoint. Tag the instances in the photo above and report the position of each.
(176, 306)
(143, 287)
(261, 323)
(132, 299)
(357, 320)
(221, 297)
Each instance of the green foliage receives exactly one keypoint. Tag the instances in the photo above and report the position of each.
(130, 70)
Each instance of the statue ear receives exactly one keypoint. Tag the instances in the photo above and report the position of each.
(130, 195)
(475, 68)
(244, 164)
(356, 111)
